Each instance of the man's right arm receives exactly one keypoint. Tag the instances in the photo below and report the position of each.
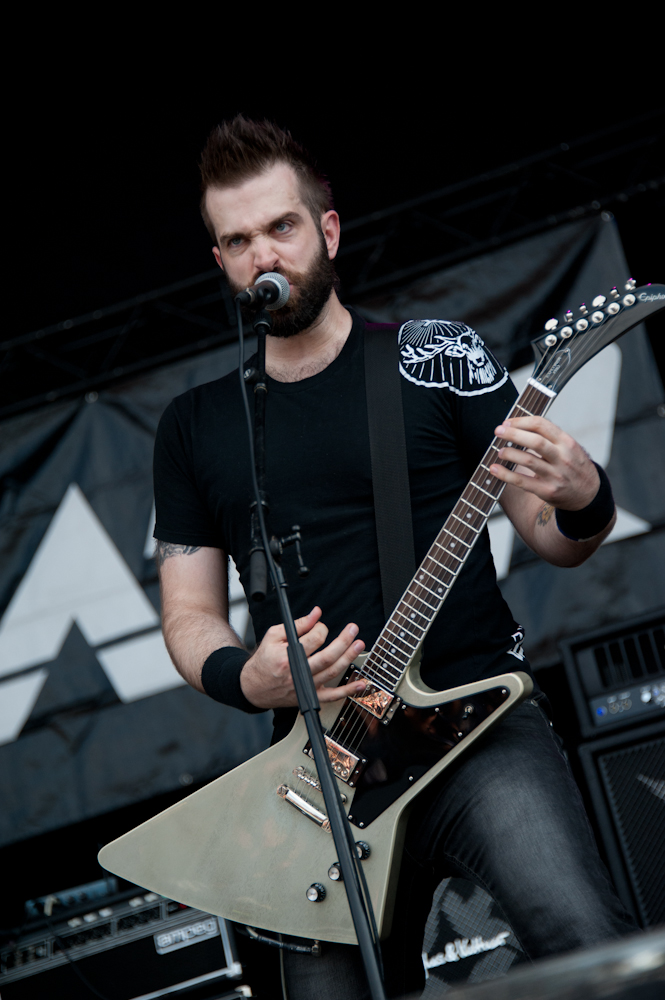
(195, 606)
(194, 595)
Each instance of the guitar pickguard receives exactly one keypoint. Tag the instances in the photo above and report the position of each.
(400, 754)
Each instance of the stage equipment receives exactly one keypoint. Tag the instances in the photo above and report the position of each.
(287, 878)
(625, 774)
(632, 968)
(271, 291)
(126, 947)
(467, 938)
(617, 676)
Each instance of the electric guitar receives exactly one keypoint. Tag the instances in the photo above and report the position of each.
(254, 846)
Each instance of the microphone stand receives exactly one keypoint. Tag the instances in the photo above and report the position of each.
(303, 682)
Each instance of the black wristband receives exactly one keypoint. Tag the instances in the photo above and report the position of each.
(581, 525)
(221, 678)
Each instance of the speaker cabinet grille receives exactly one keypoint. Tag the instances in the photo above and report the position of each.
(626, 776)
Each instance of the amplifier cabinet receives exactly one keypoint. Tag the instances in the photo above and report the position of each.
(617, 676)
(625, 774)
(144, 947)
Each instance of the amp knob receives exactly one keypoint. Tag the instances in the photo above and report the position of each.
(316, 893)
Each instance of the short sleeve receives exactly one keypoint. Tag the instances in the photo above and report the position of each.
(181, 515)
(447, 355)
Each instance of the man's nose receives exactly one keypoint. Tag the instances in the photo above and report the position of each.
(266, 256)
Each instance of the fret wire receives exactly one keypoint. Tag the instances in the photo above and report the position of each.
(418, 638)
(374, 669)
(440, 565)
(482, 512)
(467, 524)
(452, 572)
(455, 537)
(411, 620)
(399, 637)
(419, 611)
(416, 597)
(389, 654)
(449, 553)
(437, 597)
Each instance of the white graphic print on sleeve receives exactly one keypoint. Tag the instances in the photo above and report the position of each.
(441, 354)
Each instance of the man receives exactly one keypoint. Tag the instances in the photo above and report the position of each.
(508, 816)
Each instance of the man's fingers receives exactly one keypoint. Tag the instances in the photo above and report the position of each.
(338, 648)
(307, 622)
(315, 638)
(337, 693)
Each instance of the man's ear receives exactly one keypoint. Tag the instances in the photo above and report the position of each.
(330, 227)
(218, 257)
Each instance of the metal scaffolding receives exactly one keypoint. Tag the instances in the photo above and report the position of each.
(384, 250)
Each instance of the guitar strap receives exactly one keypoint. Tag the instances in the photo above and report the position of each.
(390, 473)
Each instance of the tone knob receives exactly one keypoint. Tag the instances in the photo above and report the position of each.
(598, 301)
(551, 324)
(363, 849)
(335, 873)
(597, 317)
(630, 284)
(629, 300)
(316, 893)
(550, 340)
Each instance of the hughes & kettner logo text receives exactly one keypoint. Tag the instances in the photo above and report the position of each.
(180, 937)
(464, 948)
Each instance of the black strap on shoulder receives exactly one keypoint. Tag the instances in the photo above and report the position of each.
(390, 472)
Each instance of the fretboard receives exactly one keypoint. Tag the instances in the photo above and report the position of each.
(409, 623)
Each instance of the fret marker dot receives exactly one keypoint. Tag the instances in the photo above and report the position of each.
(422, 576)
(487, 482)
(412, 615)
(469, 514)
(452, 545)
(392, 649)
(401, 635)
(440, 590)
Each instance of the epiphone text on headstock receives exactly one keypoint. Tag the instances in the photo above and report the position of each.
(650, 297)
(560, 360)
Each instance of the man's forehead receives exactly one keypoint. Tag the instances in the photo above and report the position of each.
(256, 201)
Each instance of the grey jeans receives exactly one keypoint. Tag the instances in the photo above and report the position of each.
(508, 816)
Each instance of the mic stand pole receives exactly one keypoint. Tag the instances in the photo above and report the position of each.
(308, 702)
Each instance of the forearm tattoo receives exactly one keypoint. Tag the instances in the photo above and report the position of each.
(167, 549)
(544, 515)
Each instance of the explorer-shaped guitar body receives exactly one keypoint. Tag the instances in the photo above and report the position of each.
(250, 845)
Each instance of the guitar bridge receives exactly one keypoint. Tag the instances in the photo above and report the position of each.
(344, 764)
(373, 699)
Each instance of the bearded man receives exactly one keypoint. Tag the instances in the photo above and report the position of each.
(507, 815)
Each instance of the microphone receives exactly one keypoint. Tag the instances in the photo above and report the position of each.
(271, 291)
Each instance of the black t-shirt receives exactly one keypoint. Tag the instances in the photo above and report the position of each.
(318, 476)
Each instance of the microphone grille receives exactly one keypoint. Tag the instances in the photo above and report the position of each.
(282, 284)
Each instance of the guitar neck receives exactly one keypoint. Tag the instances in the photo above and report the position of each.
(405, 630)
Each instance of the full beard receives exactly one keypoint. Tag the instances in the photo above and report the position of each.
(311, 290)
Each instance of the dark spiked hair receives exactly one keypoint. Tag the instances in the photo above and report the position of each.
(239, 149)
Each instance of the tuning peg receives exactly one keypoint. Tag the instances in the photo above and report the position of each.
(566, 332)
(583, 309)
(551, 324)
(598, 301)
(550, 339)
(630, 284)
(569, 316)
(597, 317)
(613, 309)
(614, 293)
(629, 300)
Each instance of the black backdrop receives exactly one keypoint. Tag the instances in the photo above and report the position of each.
(82, 736)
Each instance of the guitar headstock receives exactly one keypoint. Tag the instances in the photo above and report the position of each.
(565, 346)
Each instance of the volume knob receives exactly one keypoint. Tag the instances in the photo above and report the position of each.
(316, 893)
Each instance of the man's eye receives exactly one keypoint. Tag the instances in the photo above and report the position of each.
(282, 227)
(236, 241)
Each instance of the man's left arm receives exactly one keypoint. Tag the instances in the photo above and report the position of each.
(555, 474)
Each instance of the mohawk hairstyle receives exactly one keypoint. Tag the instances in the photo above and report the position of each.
(239, 149)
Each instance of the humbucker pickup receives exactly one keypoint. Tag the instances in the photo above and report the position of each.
(345, 765)
(373, 699)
